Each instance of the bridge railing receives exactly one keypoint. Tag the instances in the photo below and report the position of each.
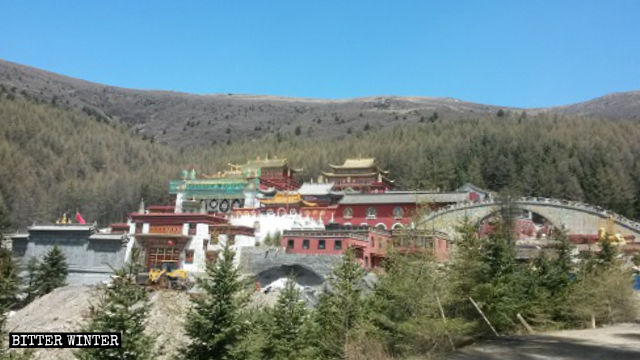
(578, 205)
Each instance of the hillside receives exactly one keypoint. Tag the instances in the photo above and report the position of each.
(58, 154)
(178, 118)
(55, 160)
(623, 105)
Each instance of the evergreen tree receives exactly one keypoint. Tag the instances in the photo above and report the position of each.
(5, 221)
(9, 280)
(32, 286)
(52, 272)
(267, 240)
(405, 307)
(9, 287)
(215, 322)
(287, 337)
(123, 307)
(340, 309)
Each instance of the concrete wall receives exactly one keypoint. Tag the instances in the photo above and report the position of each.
(269, 263)
(89, 261)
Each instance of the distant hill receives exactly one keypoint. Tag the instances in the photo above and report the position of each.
(172, 117)
(178, 117)
(622, 105)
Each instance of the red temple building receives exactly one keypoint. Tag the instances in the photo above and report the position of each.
(370, 245)
(188, 239)
(359, 175)
(283, 203)
(390, 210)
(273, 173)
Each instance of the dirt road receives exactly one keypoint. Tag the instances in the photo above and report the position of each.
(618, 342)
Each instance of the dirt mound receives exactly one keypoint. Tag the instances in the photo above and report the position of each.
(166, 320)
(65, 309)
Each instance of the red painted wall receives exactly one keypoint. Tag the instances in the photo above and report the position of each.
(369, 253)
(384, 215)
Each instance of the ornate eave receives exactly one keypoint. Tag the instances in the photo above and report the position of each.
(349, 175)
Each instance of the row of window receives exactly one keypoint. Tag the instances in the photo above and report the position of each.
(322, 245)
(281, 211)
(372, 212)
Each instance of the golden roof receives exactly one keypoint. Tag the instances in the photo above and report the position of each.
(359, 163)
(286, 199)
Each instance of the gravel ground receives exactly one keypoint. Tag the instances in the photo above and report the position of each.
(65, 309)
(617, 342)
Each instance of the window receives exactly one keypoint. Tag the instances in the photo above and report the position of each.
(347, 213)
(305, 244)
(337, 245)
(188, 256)
(372, 213)
(290, 243)
(292, 211)
(398, 213)
(192, 229)
(321, 244)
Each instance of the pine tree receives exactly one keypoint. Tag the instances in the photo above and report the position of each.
(123, 307)
(52, 272)
(287, 337)
(9, 280)
(340, 309)
(32, 286)
(9, 287)
(5, 221)
(215, 322)
(267, 240)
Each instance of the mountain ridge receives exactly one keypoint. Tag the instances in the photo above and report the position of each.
(176, 118)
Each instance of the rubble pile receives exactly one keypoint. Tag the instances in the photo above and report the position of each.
(65, 309)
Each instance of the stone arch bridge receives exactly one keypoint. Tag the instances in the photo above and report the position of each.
(575, 217)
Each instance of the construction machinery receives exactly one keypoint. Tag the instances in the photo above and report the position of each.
(608, 232)
(168, 276)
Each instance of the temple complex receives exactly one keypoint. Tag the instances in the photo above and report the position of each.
(359, 175)
(272, 173)
(188, 239)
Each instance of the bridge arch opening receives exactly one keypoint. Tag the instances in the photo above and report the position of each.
(303, 275)
(528, 224)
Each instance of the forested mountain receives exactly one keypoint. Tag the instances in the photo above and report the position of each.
(57, 156)
(178, 118)
(55, 160)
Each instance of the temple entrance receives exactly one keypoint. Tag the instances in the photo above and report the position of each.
(156, 256)
(159, 248)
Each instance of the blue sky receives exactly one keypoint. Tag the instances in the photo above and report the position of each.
(512, 53)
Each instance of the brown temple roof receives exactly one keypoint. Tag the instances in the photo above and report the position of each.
(286, 199)
(359, 163)
(404, 197)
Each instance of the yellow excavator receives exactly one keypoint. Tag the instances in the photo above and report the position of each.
(168, 276)
(608, 232)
